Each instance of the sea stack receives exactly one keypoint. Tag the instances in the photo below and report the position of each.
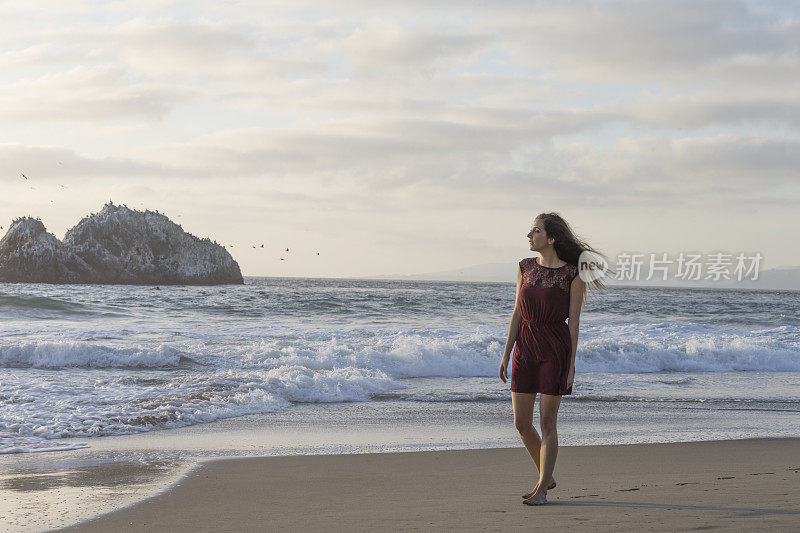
(118, 245)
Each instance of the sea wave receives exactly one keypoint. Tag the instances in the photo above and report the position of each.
(106, 404)
(671, 347)
(78, 354)
(625, 348)
(54, 389)
(49, 307)
(18, 444)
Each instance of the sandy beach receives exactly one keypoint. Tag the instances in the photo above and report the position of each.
(726, 485)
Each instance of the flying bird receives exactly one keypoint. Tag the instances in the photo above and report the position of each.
(262, 245)
(287, 249)
(317, 253)
(24, 176)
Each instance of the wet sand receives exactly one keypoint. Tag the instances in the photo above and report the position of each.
(727, 485)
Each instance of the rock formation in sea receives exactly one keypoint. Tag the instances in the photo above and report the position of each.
(28, 253)
(117, 245)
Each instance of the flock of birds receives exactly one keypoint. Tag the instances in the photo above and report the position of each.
(65, 187)
(254, 246)
(34, 188)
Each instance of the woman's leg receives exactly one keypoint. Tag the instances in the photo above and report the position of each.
(548, 415)
(523, 420)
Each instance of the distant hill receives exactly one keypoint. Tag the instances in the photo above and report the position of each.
(784, 278)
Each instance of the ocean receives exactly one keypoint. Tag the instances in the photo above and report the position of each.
(80, 362)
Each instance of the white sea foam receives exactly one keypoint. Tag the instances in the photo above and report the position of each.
(190, 355)
(270, 374)
(102, 403)
(77, 354)
(671, 347)
(27, 444)
(654, 347)
(398, 354)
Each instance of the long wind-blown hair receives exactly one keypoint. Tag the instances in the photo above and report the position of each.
(569, 247)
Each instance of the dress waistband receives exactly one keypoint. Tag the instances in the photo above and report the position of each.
(543, 322)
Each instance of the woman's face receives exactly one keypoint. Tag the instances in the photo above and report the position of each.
(537, 236)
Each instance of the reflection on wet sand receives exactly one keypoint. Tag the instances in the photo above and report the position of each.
(38, 494)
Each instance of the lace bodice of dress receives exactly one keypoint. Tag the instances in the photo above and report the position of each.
(536, 275)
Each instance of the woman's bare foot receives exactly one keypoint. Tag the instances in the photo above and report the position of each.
(538, 498)
(531, 493)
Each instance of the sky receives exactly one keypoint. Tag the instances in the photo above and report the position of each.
(409, 136)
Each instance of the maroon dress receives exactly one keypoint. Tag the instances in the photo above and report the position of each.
(544, 346)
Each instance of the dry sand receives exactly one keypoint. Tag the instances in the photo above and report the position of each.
(740, 485)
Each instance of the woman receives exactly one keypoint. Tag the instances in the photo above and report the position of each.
(549, 291)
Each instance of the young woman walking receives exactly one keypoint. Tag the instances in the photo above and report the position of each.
(549, 291)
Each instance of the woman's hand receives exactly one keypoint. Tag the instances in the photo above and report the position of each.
(571, 375)
(504, 370)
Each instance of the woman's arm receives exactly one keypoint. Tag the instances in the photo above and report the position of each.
(575, 304)
(515, 318)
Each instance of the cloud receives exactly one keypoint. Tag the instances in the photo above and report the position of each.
(86, 94)
(383, 150)
(690, 171)
(700, 110)
(136, 69)
(436, 168)
(55, 163)
(378, 47)
(425, 109)
(612, 42)
(259, 57)
(208, 51)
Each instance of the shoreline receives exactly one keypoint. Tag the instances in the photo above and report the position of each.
(45, 491)
(600, 487)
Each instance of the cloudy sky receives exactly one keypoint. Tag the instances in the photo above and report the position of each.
(412, 137)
